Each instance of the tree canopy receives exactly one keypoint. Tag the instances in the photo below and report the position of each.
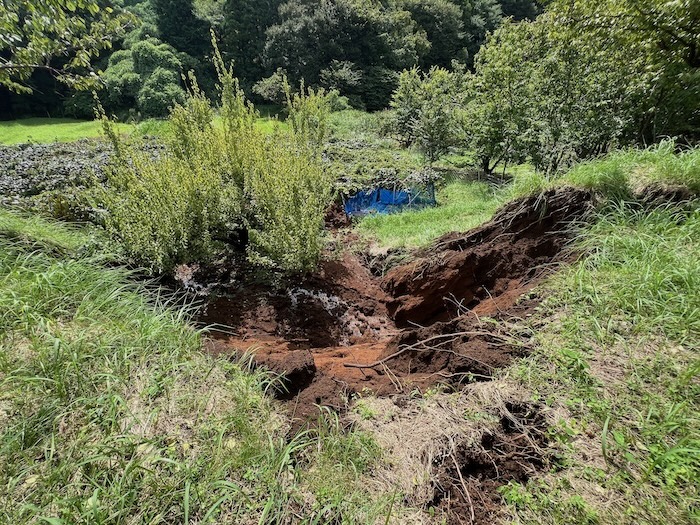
(58, 36)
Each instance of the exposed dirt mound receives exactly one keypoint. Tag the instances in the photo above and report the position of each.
(341, 305)
(498, 259)
(468, 478)
(336, 333)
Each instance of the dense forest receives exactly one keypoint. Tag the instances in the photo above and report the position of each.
(573, 79)
(354, 46)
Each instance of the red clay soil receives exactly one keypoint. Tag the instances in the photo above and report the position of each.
(344, 330)
(488, 267)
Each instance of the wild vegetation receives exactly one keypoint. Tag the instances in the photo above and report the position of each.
(111, 414)
(619, 356)
(195, 329)
(214, 181)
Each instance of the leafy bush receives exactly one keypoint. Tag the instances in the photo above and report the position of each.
(163, 211)
(145, 77)
(544, 90)
(159, 92)
(308, 114)
(290, 193)
(213, 179)
(406, 102)
(427, 110)
(272, 88)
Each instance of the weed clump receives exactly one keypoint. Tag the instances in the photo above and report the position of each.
(217, 178)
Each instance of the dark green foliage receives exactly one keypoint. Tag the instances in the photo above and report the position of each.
(561, 89)
(179, 27)
(479, 18)
(366, 42)
(663, 40)
(341, 75)
(159, 92)
(442, 22)
(521, 9)
(243, 35)
(145, 78)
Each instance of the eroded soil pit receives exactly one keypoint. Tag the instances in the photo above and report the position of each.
(344, 330)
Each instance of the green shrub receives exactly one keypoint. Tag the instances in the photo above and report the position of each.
(272, 88)
(145, 77)
(427, 110)
(160, 91)
(212, 179)
(290, 192)
(308, 114)
(406, 103)
(164, 211)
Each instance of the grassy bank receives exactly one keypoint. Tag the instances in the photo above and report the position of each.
(110, 413)
(622, 174)
(616, 357)
(617, 362)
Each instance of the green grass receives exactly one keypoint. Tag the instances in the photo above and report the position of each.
(621, 174)
(462, 205)
(110, 412)
(45, 130)
(34, 229)
(617, 358)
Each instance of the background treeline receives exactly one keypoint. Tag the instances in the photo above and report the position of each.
(358, 47)
(583, 78)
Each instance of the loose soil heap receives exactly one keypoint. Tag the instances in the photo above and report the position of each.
(344, 331)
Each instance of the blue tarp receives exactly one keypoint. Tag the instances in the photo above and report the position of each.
(383, 201)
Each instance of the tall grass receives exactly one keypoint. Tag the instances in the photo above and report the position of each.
(620, 353)
(620, 174)
(643, 265)
(110, 412)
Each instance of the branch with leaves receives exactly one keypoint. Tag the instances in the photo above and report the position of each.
(58, 36)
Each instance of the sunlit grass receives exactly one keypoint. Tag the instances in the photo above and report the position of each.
(620, 174)
(46, 130)
(462, 205)
(618, 353)
(42, 130)
(111, 413)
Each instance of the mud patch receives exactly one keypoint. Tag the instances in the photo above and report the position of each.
(341, 305)
(344, 330)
